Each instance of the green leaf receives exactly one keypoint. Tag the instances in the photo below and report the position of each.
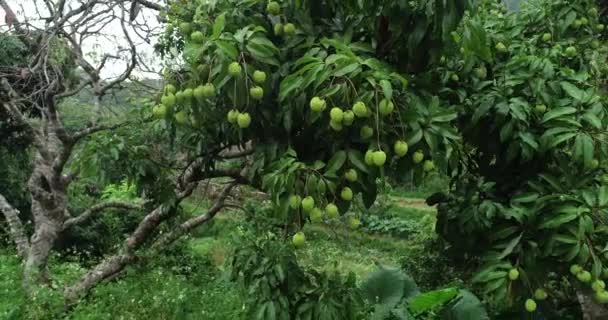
(466, 306)
(593, 120)
(430, 300)
(602, 196)
(388, 286)
(572, 90)
(218, 25)
(227, 48)
(557, 113)
(336, 162)
(356, 159)
(288, 85)
(387, 89)
(510, 246)
(559, 220)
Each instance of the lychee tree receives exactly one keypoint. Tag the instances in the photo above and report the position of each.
(529, 198)
(324, 95)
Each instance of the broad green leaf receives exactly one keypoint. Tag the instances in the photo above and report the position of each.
(431, 300)
(337, 161)
(510, 246)
(557, 113)
(572, 90)
(387, 89)
(218, 25)
(466, 306)
(558, 220)
(227, 48)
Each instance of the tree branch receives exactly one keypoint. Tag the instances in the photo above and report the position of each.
(15, 226)
(86, 215)
(190, 224)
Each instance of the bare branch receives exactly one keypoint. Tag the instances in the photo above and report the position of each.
(190, 224)
(15, 226)
(89, 213)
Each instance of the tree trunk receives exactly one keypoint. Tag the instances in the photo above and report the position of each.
(15, 226)
(49, 204)
(591, 309)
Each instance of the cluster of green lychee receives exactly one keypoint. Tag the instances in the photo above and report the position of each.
(598, 285)
(539, 294)
(256, 92)
(273, 8)
(172, 97)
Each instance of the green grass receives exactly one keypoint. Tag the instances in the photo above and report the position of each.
(190, 282)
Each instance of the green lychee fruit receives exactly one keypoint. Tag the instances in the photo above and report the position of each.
(331, 210)
(595, 44)
(570, 51)
(348, 118)
(181, 117)
(234, 69)
(159, 111)
(243, 120)
(170, 89)
(336, 115)
(308, 204)
(317, 104)
(316, 215)
(289, 29)
(179, 97)
(233, 116)
(294, 201)
(351, 175)
(369, 157)
(360, 109)
(455, 77)
(540, 294)
(278, 29)
(530, 305)
(168, 100)
(513, 274)
(346, 194)
(379, 158)
(584, 276)
(366, 132)
(259, 77)
(299, 240)
(354, 223)
(188, 94)
(500, 47)
(273, 8)
(547, 37)
(598, 285)
(256, 93)
(400, 148)
(575, 269)
(599, 27)
(428, 166)
(594, 164)
(386, 107)
(540, 108)
(186, 28)
(576, 24)
(584, 21)
(601, 296)
(208, 90)
(481, 72)
(336, 126)
(197, 37)
(418, 156)
(199, 92)
(592, 12)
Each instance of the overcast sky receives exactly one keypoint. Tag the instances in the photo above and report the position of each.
(96, 47)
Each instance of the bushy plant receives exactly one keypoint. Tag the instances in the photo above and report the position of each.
(278, 288)
(529, 196)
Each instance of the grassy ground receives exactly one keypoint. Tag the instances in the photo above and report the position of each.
(191, 284)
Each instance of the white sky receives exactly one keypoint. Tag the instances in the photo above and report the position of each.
(95, 47)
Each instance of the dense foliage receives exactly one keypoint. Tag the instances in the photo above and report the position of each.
(529, 195)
